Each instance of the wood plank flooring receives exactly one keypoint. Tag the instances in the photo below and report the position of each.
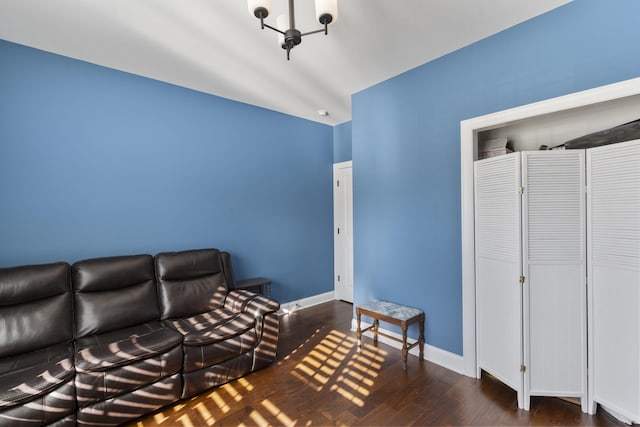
(320, 379)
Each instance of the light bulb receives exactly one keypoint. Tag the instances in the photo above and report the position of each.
(258, 7)
(282, 23)
(326, 11)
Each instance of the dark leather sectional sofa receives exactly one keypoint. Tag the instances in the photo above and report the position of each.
(107, 340)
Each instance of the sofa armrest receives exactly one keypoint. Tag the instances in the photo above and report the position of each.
(248, 302)
(265, 313)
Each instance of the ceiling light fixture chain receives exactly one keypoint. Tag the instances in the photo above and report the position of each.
(326, 13)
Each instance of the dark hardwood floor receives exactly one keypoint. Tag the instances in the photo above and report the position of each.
(320, 379)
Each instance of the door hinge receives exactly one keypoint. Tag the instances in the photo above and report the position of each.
(523, 368)
(338, 183)
(520, 190)
(338, 230)
(522, 280)
(338, 277)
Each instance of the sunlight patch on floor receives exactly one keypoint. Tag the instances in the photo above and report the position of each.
(205, 413)
(258, 418)
(160, 417)
(235, 394)
(219, 401)
(185, 420)
(335, 364)
(246, 384)
(276, 412)
(179, 407)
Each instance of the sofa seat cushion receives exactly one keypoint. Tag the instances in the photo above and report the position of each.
(98, 386)
(122, 408)
(216, 336)
(198, 381)
(214, 326)
(123, 347)
(25, 377)
(55, 408)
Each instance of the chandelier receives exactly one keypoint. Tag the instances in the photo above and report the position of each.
(326, 13)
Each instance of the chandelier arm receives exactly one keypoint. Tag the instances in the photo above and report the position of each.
(314, 32)
(274, 29)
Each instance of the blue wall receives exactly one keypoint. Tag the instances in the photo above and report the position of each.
(96, 162)
(406, 146)
(342, 142)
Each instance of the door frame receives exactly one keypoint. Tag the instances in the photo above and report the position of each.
(469, 152)
(348, 165)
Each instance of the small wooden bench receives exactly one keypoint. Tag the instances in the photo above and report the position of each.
(395, 314)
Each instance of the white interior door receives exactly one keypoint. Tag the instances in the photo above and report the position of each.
(613, 242)
(554, 257)
(498, 269)
(343, 230)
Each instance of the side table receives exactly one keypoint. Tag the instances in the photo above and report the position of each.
(259, 283)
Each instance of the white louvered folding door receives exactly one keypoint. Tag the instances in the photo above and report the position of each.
(614, 277)
(554, 265)
(498, 268)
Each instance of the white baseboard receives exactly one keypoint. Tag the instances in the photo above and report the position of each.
(292, 306)
(433, 354)
(617, 415)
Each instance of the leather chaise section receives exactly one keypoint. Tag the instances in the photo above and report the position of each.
(193, 288)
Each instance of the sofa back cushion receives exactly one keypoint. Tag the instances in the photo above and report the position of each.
(113, 293)
(228, 270)
(190, 282)
(35, 308)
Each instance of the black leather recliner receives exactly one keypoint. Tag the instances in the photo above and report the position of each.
(221, 329)
(128, 363)
(36, 346)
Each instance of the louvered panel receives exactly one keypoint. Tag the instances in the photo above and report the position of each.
(615, 205)
(614, 277)
(555, 269)
(498, 267)
(497, 208)
(554, 200)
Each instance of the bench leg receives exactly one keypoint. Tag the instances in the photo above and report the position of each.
(358, 331)
(375, 332)
(405, 350)
(421, 339)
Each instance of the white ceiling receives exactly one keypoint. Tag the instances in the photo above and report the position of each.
(217, 47)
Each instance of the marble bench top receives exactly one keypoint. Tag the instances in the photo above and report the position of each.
(390, 309)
